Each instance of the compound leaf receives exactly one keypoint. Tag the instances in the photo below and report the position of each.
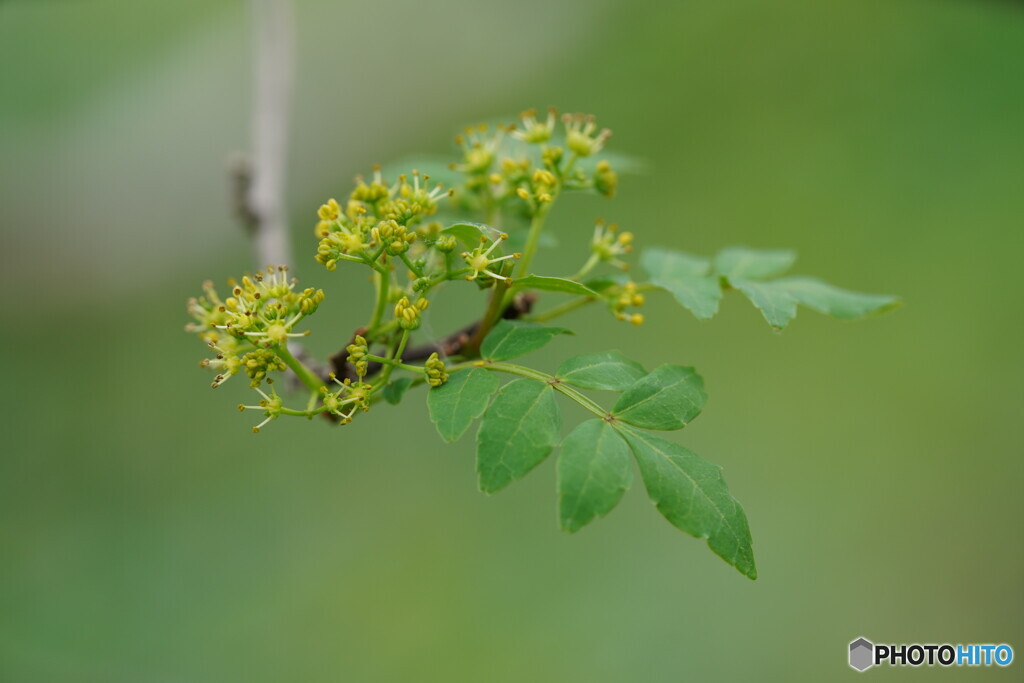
(553, 284)
(839, 303)
(691, 494)
(756, 264)
(455, 404)
(593, 473)
(607, 370)
(518, 432)
(687, 277)
(773, 300)
(668, 398)
(395, 389)
(514, 338)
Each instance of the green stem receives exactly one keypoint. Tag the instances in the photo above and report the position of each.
(539, 376)
(392, 358)
(408, 264)
(391, 361)
(303, 413)
(300, 370)
(573, 304)
(383, 281)
(495, 306)
(569, 164)
(532, 239)
(587, 267)
(560, 309)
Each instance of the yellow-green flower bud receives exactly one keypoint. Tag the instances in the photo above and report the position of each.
(606, 181)
(435, 371)
(357, 352)
(446, 244)
(407, 314)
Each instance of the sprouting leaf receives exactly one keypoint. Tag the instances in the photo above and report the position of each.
(519, 430)
(455, 404)
(593, 473)
(668, 398)
(687, 277)
(840, 303)
(775, 303)
(552, 284)
(514, 338)
(395, 389)
(607, 370)
(755, 264)
(691, 493)
(470, 233)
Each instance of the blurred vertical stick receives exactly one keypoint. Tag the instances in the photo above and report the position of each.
(259, 185)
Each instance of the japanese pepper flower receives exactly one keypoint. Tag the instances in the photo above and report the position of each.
(580, 135)
(271, 406)
(480, 262)
(534, 131)
(350, 397)
(608, 244)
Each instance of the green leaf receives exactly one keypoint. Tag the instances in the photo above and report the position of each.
(395, 389)
(687, 277)
(552, 284)
(519, 430)
(470, 233)
(668, 398)
(691, 493)
(775, 303)
(661, 262)
(514, 338)
(608, 370)
(593, 473)
(840, 303)
(463, 398)
(743, 262)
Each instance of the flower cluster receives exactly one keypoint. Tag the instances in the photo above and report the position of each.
(377, 217)
(526, 177)
(260, 314)
(511, 177)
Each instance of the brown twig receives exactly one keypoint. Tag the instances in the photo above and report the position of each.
(450, 345)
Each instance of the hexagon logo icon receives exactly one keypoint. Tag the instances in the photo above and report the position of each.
(862, 654)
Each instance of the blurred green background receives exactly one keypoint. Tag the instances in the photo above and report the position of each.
(146, 535)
